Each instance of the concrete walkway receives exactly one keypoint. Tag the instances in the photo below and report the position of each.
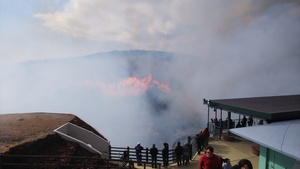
(234, 150)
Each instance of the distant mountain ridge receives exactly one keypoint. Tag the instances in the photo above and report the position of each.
(153, 53)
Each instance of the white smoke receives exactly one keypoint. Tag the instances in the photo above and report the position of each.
(235, 49)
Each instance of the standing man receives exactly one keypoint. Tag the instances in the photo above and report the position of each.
(244, 121)
(179, 153)
(138, 152)
(209, 160)
(206, 137)
(154, 152)
(250, 121)
(165, 154)
(186, 154)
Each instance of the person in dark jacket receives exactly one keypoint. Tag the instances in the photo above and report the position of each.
(138, 151)
(244, 121)
(179, 153)
(250, 121)
(126, 160)
(165, 155)
(154, 152)
(186, 154)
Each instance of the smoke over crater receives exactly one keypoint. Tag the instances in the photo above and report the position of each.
(231, 49)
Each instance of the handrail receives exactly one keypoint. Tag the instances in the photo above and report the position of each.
(115, 154)
(189, 138)
(21, 161)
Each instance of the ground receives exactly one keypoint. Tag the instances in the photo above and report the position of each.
(32, 134)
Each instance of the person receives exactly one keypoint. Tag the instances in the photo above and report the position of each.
(209, 160)
(165, 155)
(138, 152)
(186, 154)
(200, 140)
(216, 122)
(126, 159)
(226, 164)
(243, 164)
(206, 137)
(250, 121)
(244, 121)
(179, 153)
(238, 125)
(154, 152)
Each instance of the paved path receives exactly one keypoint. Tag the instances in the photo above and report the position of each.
(234, 150)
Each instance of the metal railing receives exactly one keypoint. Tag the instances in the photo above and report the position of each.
(9, 161)
(117, 152)
(61, 162)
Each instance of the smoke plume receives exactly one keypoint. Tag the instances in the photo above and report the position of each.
(213, 50)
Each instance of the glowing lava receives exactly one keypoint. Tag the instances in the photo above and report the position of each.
(128, 87)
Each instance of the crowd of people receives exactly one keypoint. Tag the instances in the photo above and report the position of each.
(208, 160)
(241, 123)
(128, 163)
(202, 140)
(183, 154)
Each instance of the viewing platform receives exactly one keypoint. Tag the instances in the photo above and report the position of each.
(236, 149)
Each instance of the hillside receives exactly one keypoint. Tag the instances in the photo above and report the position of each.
(17, 130)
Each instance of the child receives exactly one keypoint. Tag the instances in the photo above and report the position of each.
(226, 164)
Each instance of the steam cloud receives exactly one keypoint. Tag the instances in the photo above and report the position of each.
(232, 49)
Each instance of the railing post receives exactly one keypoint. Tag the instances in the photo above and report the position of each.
(58, 162)
(84, 163)
(147, 155)
(0, 161)
(109, 152)
(107, 166)
(128, 152)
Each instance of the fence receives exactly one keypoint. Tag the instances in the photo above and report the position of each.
(68, 162)
(60, 162)
(117, 152)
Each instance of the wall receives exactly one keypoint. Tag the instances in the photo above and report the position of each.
(270, 159)
(85, 138)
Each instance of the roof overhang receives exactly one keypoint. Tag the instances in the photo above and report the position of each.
(272, 108)
(282, 137)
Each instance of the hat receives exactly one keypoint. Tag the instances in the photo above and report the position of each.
(138, 143)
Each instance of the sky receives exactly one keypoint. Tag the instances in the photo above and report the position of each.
(236, 49)
(60, 28)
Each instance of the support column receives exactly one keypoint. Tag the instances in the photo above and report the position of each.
(207, 116)
(229, 120)
(221, 126)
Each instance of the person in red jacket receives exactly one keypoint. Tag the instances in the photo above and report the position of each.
(209, 160)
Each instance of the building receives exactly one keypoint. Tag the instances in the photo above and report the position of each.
(278, 137)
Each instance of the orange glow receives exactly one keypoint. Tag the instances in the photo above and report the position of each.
(127, 87)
